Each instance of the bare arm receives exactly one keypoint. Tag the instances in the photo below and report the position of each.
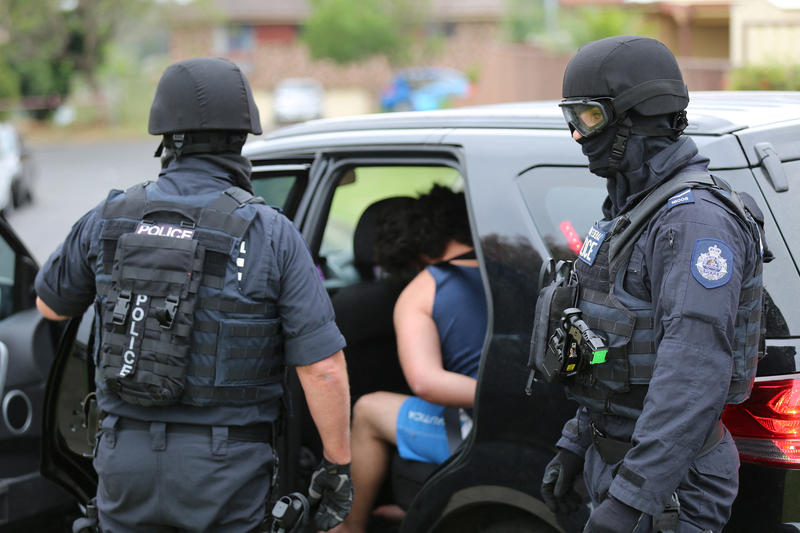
(420, 351)
(327, 393)
(47, 312)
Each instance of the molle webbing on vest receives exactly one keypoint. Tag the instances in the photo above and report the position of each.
(627, 323)
(153, 288)
(222, 348)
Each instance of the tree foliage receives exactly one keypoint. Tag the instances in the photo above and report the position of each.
(592, 23)
(525, 21)
(347, 31)
(50, 41)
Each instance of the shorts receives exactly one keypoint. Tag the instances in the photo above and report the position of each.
(421, 434)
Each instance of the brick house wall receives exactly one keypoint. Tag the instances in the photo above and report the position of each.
(505, 72)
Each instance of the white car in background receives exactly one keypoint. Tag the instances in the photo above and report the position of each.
(297, 100)
(16, 169)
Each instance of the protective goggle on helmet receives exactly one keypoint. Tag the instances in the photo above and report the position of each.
(589, 116)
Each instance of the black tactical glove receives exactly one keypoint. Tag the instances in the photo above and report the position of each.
(559, 476)
(331, 494)
(612, 516)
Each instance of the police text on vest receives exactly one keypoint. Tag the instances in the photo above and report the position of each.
(164, 230)
(129, 356)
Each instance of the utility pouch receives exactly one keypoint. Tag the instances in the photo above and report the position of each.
(560, 294)
(149, 317)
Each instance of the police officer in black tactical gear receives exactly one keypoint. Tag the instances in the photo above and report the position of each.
(669, 284)
(202, 295)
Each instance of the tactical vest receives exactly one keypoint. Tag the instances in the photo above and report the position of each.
(175, 326)
(618, 385)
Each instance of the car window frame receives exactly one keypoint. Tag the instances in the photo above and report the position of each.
(338, 161)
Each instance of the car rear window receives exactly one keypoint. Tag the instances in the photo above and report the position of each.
(563, 202)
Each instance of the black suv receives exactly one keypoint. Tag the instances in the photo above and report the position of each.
(530, 197)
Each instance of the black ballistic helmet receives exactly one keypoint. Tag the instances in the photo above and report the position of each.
(637, 73)
(635, 84)
(203, 105)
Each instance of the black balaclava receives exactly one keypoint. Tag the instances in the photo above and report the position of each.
(236, 166)
(635, 173)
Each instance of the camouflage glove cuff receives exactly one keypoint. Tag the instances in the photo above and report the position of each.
(331, 492)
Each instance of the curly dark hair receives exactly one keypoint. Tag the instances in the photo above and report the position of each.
(425, 227)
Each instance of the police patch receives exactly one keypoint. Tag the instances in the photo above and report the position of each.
(591, 245)
(712, 263)
(164, 230)
(683, 197)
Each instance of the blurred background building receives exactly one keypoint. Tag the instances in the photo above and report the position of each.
(337, 57)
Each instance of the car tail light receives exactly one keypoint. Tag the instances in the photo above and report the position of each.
(574, 242)
(766, 426)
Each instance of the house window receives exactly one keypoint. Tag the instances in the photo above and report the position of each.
(233, 38)
(240, 37)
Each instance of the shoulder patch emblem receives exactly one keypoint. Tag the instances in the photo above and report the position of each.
(683, 197)
(712, 263)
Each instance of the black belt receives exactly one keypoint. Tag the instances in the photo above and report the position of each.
(614, 450)
(252, 433)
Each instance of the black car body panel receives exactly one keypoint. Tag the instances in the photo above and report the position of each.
(526, 184)
(27, 347)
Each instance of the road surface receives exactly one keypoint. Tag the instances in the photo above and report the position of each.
(72, 179)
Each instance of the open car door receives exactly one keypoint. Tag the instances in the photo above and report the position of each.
(69, 420)
(27, 347)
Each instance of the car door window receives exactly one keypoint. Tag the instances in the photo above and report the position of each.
(563, 202)
(359, 187)
(281, 185)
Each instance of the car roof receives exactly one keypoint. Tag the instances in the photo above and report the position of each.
(709, 113)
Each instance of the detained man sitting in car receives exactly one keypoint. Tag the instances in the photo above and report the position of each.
(440, 322)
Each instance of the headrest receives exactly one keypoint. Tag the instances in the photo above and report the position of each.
(364, 234)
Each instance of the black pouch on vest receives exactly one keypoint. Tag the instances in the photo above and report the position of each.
(552, 301)
(150, 316)
(559, 294)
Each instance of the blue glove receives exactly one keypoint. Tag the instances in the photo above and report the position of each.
(331, 494)
(613, 516)
(559, 476)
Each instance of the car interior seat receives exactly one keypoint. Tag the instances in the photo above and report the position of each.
(364, 315)
(364, 312)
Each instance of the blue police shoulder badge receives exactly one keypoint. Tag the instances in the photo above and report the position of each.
(712, 263)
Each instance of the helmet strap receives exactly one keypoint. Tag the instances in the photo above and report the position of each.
(619, 144)
(203, 143)
(177, 144)
(678, 124)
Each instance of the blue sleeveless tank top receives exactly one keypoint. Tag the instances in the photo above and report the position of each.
(459, 311)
